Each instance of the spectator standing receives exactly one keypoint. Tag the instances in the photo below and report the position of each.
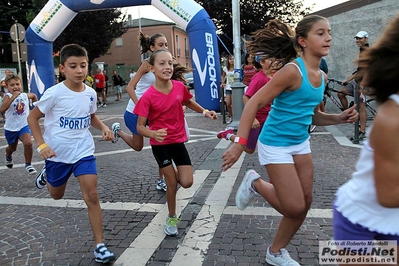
(117, 84)
(3, 90)
(227, 81)
(15, 106)
(352, 81)
(100, 87)
(166, 129)
(249, 69)
(71, 103)
(283, 147)
(89, 81)
(106, 82)
(6, 73)
(367, 205)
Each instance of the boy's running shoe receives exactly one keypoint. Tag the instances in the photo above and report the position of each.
(30, 169)
(9, 163)
(115, 128)
(41, 179)
(103, 255)
(161, 185)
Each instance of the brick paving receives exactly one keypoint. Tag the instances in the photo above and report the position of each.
(36, 234)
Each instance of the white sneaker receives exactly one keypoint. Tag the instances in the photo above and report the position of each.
(281, 260)
(245, 192)
(103, 255)
(161, 185)
(171, 226)
(115, 128)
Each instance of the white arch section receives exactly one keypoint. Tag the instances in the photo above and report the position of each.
(189, 15)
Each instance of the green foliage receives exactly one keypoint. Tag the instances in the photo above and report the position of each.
(254, 14)
(11, 13)
(94, 30)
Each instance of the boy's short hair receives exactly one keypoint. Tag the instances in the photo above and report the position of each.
(10, 77)
(72, 49)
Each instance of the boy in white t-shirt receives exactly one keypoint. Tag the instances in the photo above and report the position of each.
(15, 106)
(67, 144)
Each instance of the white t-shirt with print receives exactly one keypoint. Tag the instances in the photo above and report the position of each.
(67, 121)
(17, 114)
(229, 78)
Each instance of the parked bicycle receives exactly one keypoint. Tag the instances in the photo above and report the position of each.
(330, 94)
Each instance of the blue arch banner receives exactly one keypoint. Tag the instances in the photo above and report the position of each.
(187, 14)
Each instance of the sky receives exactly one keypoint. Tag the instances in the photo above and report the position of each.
(153, 13)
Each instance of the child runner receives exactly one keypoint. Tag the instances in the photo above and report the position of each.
(16, 110)
(166, 129)
(70, 109)
(367, 206)
(283, 146)
(257, 82)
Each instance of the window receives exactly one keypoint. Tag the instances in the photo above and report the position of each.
(185, 48)
(177, 45)
(118, 42)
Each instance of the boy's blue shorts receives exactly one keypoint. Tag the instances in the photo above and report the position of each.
(14, 136)
(58, 173)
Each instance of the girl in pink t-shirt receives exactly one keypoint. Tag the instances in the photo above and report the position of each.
(161, 105)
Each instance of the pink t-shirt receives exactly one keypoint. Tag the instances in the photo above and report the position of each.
(257, 82)
(165, 111)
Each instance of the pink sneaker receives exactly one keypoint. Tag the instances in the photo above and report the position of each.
(223, 134)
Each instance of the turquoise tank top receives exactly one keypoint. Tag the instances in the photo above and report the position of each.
(292, 112)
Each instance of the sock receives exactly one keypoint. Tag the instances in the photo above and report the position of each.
(274, 253)
(27, 164)
(8, 158)
(228, 136)
(252, 186)
(100, 244)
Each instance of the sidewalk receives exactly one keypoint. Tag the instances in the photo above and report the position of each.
(37, 230)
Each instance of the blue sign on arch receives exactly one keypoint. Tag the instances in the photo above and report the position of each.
(57, 14)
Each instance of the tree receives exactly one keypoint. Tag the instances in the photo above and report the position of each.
(10, 14)
(254, 14)
(95, 30)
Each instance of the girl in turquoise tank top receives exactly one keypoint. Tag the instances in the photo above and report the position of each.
(283, 146)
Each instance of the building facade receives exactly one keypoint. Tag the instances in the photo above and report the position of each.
(348, 18)
(124, 52)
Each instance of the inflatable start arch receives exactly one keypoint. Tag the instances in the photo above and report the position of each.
(57, 14)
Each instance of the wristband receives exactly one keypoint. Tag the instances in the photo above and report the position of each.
(41, 147)
(240, 140)
(204, 112)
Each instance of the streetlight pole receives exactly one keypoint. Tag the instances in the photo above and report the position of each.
(237, 87)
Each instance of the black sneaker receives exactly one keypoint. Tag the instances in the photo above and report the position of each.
(362, 135)
(41, 179)
(9, 163)
(103, 255)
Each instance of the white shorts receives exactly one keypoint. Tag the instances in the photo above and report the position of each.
(281, 155)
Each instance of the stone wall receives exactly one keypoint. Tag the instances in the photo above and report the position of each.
(371, 18)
